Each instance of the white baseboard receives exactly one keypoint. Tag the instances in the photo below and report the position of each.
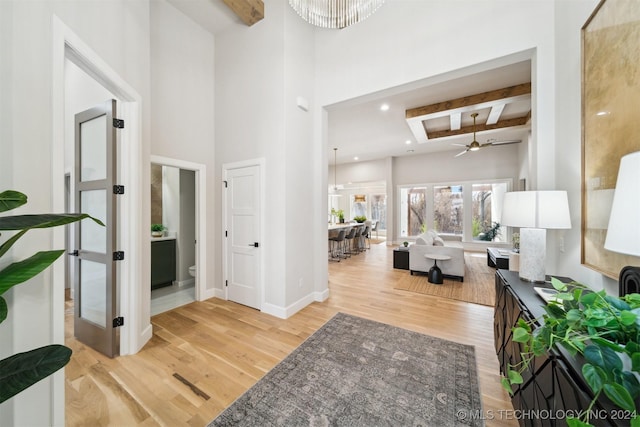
(209, 293)
(185, 283)
(290, 310)
(321, 296)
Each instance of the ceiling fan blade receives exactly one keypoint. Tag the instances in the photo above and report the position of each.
(460, 145)
(460, 154)
(507, 142)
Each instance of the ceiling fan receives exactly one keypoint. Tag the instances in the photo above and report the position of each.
(475, 145)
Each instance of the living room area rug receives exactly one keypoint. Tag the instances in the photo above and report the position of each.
(357, 372)
(478, 286)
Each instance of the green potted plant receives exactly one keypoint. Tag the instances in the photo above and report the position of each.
(360, 219)
(603, 329)
(340, 216)
(157, 230)
(22, 370)
(405, 244)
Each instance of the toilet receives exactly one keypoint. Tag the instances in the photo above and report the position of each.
(192, 271)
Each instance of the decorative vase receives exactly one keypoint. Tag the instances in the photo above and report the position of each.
(157, 233)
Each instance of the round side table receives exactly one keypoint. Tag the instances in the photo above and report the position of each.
(435, 274)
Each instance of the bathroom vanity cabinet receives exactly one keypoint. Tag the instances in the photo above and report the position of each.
(163, 262)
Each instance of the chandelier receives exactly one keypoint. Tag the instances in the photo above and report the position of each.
(334, 13)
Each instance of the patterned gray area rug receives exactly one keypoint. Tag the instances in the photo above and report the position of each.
(356, 372)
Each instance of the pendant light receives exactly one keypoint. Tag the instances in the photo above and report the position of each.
(335, 174)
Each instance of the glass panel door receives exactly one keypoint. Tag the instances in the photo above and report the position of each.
(95, 170)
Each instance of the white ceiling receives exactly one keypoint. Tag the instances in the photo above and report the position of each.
(359, 128)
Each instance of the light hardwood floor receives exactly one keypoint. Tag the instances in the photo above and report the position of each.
(206, 354)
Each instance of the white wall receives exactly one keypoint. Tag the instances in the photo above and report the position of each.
(118, 31)
(182, 120)
(260, 71)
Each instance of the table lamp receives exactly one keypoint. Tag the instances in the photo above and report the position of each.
(535, 212)
(623, 234)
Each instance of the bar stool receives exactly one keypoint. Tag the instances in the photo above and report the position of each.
(349, 241)
(337, 242)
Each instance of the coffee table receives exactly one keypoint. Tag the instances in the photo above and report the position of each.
(435, 275)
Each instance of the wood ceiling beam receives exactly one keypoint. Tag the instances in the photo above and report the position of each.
(466, 101)
(518, 121)
(249, 11)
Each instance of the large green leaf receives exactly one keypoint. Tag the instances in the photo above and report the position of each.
(11, 199)
(22, 370)
(21, 222)
(520, 335)
(619, 396)
(6, 245)
(603, 357)
(4, 309)
(575, 422)
(594, 375)
(24, 270)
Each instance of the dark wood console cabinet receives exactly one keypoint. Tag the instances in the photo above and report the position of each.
(553, 384)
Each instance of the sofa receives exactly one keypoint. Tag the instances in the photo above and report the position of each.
(430, 243)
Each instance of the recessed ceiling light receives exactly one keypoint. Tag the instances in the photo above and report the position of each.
(384, 107)
(602, 113)
(408, 141)
(355, 158)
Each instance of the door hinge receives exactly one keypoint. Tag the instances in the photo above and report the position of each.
(118, 123)
(118, 189)
(118, 255)
(225, 184)
(226, 283)
(118, 321)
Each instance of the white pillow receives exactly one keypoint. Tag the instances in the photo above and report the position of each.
(433, 234)
(438, 241)
(424, 239)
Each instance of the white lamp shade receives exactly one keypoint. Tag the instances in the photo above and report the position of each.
(623, 234)
(536, 209)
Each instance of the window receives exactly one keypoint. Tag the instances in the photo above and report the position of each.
(358, 205)
(413, 209)
(379, 210)
(448, 209)
(441, 207)
(485, 221)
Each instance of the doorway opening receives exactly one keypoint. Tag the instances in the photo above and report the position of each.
(178, 203)
(173, 244)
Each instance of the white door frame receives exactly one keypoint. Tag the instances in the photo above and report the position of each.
(201, 214)
(260, 162)
(137, 328)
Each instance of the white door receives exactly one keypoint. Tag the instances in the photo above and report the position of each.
(243, 235)
(95, 286)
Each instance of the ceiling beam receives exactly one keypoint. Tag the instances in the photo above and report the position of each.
(249, 11)
(466, 101)
(456, 121)
(518, 121)
(495, 113)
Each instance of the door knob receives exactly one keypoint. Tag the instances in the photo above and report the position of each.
(74, 253)
(254, 244)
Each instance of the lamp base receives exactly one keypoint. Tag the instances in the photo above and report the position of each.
(533, 247)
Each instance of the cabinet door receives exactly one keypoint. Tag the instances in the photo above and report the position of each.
(163, 263)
